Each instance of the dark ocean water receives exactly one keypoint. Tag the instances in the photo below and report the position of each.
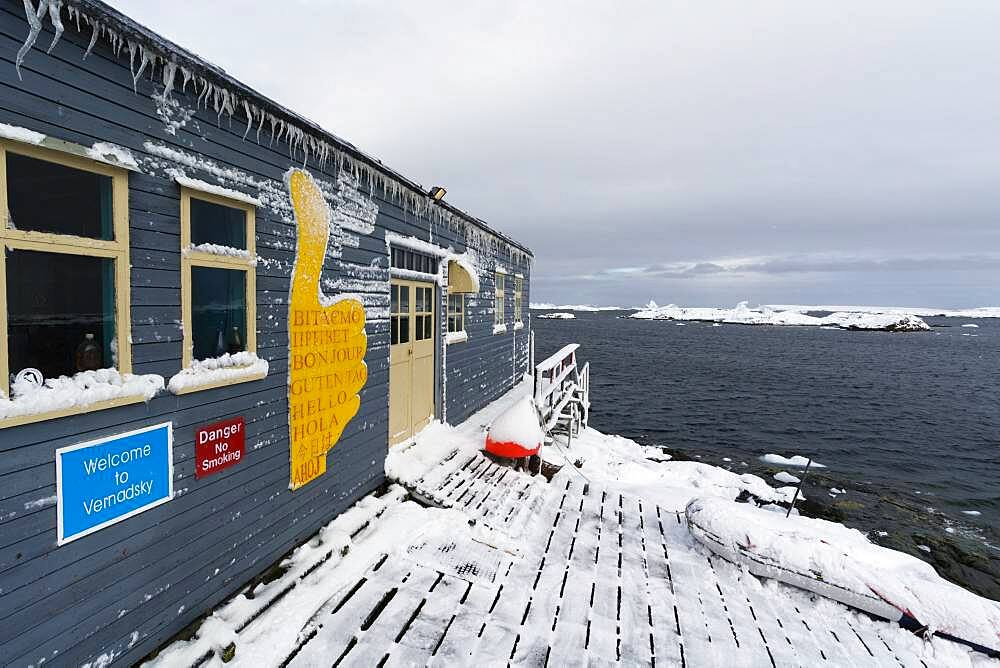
(908, 424)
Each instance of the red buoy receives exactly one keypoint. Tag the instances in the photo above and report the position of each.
(516, 433)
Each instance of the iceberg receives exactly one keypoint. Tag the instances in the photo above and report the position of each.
(743, 314)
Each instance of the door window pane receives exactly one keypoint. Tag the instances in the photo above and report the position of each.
(404, 329)
(61, 311)
(394, 303)
(218, 311)
(48, 197)
(428, 329)
(216, 224)
(421, 304)
(404, 299)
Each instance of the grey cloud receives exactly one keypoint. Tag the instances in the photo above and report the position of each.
(648, 133)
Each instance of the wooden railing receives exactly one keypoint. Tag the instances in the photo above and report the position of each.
(562, 392)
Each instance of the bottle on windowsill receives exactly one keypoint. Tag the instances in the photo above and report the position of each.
(88, 355)
(220, 343)
(234, 345)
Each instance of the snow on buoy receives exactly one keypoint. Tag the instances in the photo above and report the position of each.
(516, 433)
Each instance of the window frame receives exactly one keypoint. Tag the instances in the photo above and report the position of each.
(460, 315)
(518, 300)
(193, 258)
(116, 249)
(499, 298)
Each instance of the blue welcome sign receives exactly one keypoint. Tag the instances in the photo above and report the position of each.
(108, 480)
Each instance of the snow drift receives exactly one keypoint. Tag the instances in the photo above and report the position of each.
(842, 564)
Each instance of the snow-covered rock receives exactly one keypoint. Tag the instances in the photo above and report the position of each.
(743, 314)
(842, 564)
(556, 316)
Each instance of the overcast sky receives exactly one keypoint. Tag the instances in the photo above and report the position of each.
(700, 153)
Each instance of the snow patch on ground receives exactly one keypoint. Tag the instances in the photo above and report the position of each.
(623, 464)
(743, 314)
(225, 368)
(795, 460)
(84, 389)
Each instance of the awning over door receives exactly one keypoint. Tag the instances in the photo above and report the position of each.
(462, 275)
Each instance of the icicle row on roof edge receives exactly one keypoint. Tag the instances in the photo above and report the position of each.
(146, 57)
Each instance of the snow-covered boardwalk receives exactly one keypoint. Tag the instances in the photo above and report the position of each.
(496, 567)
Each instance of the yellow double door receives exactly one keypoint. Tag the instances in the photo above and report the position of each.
(412, 319)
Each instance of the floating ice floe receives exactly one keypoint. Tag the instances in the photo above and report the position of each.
(971, 325)
(573, 307)
(743, 314)
(796, 460)
(973, 513)
(557, 316)
(787, 478)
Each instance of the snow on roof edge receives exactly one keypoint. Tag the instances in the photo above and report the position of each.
(169, 51)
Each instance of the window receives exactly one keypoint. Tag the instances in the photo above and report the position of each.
(456, 313)
(399, 314)
(218, 278)
(498, 314)
(518, 299)
(423, 313)
(409, 260)
(64, 265)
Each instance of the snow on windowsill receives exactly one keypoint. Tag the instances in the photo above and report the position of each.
(518, 325)
(204, 374)
(86, 388)
(202, 186)
(23, 135)
(217, 249)
(499, 329)
(500, 269)
(456, 337)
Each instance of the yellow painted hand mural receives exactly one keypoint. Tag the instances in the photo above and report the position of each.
(327, 342)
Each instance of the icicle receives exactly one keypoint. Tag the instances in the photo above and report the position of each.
(246, 108)
(93, 38)
(259, 127)
(186, 75)
(34, 17)
(55, 8)
(169, 73)
(142, 68)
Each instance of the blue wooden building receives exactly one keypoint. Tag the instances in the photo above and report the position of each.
(216, 319)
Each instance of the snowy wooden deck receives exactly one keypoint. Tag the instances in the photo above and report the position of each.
(497, 567)
(604, 579)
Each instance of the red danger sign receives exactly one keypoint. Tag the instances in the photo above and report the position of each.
(218, 446)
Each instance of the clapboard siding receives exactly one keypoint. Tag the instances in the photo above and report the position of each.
(127, 588)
